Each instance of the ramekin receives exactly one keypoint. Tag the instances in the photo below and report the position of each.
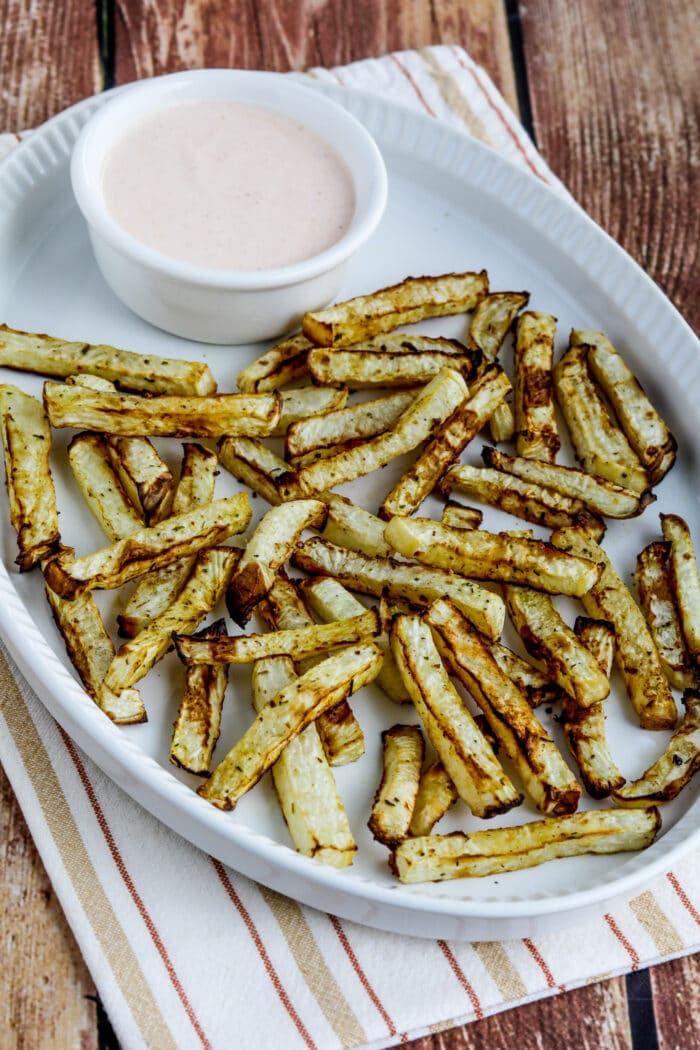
(213, 305)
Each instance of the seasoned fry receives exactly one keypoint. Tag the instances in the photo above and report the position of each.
(536, 686)
(281, 364)
(491, 556)
(463, 751)
(91, 651)
(455, 516)
(434, 858)
(431, 406)
(547, 638)
(502, 423)
(447, 444)
(657, 599)
(340, 733)
(158, 589)
(643, 426)
(544, 773)
(436, 793)
(395, 579)
(598, 442)
(395, 798)
(128, 415)
(492, 319)
(601, 496)
(584, 727)
(33, 352)
(686, 580)
(366, 369)
(674, 768)
(26, 438)
(408, 343)
(303, 779)
(412, 300)
(306, 401)
(284, 717)
(350, 525)
(300, 642)
(321, 435)
(331, 601)
(210, 575)
(88, 455)
(635, 652)
(198, 721)
(267, 550)
(536, 435)
(257, 466)
(149, 548)
(524, 499)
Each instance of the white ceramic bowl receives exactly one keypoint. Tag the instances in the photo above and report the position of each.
(213, 305)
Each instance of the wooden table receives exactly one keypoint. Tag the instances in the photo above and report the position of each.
(610, 93)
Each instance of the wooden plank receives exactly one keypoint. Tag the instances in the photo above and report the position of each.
(277, 35)
(676, 995)
(616, 107)
(49, 59)
(45, 983)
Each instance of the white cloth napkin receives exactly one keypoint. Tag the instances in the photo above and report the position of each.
(185, 952)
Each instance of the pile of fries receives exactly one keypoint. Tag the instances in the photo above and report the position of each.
(439, 591)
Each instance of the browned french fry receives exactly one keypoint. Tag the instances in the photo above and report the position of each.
(685, 579)
(492, 319)
(536, 435)
(362, 369)
(322, 435)
(144, 475)
(302, 402)
(104, 494)
(675, 767)
(196, 728)
(396, 795)
(455, 516)
(281, 364)
(656, 596)
(257, 466)
(436, 793)
(351, 526)
(535, 685)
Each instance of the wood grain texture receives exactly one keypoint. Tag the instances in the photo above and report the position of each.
(676, 992)
(49, 59)
(616, 105)
(158, 36)
(45, 983)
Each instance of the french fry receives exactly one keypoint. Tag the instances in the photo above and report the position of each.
(317, 436)
(412, 300)
(207, 583)
(598, 442)
(196, 728)
(685, 579)
(266, 551)
(431, 406)
(544, 773)
(331, 601)
(419, 585)
(47, 355)
(635, 652)
(284, 717)
(491, 556)
(463, 751)
(88, 455)
(159, 589)
(455, 516)
(547, 638)
(643, 426)
(129, 415)
(300, 642)
(601, 496)
(351, 526)
(536, 686)
(281, 364)
(674, 768)
(536, 435)
(447, 443)
(436, 793)
(362, 369)
(302, 402)
(654, 584)
(434, 858)
(257, 466)
(303, 779)
(392, 809)
(584, 727)
(149, 548)
(523, 499)
(502, 423)
(492, 319)
(26, 438)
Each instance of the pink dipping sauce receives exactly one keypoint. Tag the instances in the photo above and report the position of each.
(229, 186)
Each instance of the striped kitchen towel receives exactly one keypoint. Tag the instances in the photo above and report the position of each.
(186, 953)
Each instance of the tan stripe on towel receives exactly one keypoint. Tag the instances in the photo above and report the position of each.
(312, 965)
(501, 969)
(66, 835)
(657, 924)
(453, 97)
